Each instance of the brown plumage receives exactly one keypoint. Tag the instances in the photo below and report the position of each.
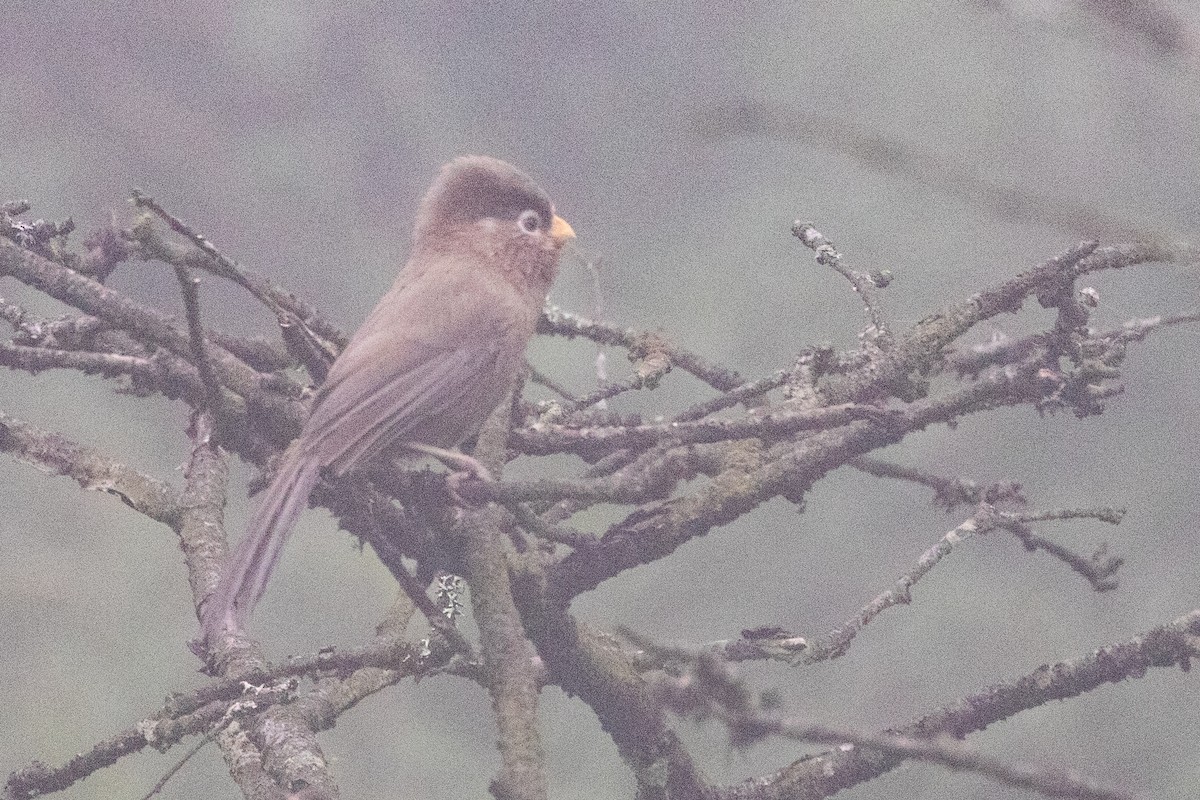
(431, 362)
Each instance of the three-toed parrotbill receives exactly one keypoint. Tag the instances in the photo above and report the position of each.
(438, 354)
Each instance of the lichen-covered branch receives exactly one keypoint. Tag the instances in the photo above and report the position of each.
(507, 653)
(91, 469)
(1172, 645)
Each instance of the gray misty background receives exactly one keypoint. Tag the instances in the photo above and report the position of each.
(299, 136)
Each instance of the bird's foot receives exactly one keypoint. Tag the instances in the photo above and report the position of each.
(463, 468)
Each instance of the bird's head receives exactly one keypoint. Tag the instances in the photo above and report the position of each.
(497, 212)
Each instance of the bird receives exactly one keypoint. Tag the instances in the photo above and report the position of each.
(436, 356)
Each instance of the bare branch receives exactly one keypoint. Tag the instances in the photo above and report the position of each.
(90, 468)
(1049, 781)
(543, 439)
(190, 288)
(837, 642)
(866, 285)
(564, 323)
(1170, 645)
(507, 653)
(212, 260)
(947, 492)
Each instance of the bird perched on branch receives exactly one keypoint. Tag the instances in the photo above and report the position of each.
(432, 361)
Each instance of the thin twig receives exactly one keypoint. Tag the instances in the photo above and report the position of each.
(543, 439)
(564, 323)
(539, 527)
(1049, 781)
(948, 492)
(1099, 569)
(178, 765)
(864, 284)
(189, 287)
(542, 379)
(837, 642)
(738, 394)
(279, 301)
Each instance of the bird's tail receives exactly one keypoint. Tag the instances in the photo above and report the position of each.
(249, 567)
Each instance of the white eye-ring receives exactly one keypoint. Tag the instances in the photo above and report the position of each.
(530, 221)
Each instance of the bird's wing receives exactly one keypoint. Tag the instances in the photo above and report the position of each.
(428, 366)
(426, 402)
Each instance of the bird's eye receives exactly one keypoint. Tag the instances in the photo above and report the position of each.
(530, 221)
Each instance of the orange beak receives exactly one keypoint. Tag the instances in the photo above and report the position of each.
(561, 230)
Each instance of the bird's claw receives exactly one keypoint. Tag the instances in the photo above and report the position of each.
(463, 468)
(455, 481)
